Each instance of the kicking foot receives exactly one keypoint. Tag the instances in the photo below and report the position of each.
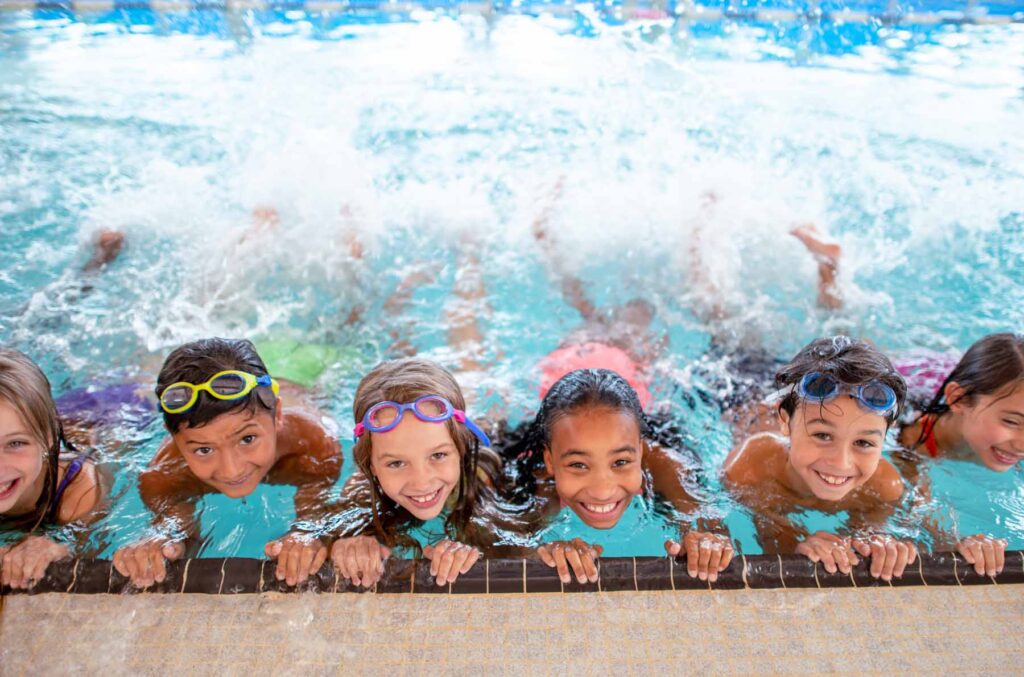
(824, 250)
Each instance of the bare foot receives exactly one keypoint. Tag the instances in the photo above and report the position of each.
(825, 250)
(106, 247)
(827, 253)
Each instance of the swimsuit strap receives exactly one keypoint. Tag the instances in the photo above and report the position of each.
(74, 468)
(928, 422)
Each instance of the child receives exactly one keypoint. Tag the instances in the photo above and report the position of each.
(589, 448)
(839, 398)
(419, 456)
(39, 485)
(976, 415)
(229, 432)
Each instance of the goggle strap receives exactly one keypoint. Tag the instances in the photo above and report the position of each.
(473, 428)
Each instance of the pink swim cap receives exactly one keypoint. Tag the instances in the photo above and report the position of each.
(592, 355)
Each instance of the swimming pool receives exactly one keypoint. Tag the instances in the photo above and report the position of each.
(432, 128)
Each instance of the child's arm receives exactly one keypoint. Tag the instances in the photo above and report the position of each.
(311, 461)
(708, 547)
(170, 491)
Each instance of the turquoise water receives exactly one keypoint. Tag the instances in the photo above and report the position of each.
(441, 133)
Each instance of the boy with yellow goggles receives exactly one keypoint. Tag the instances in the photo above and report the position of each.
(226, 385)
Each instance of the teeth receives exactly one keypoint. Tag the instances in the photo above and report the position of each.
(4, 488)
(834, 480)
(600, 508)
(425, 499)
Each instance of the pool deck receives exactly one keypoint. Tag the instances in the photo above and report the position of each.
(910, 630)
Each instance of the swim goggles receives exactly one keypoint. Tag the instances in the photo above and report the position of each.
(225, 385)
(873, 395)
(384, 416)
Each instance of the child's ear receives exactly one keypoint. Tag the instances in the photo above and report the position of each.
(278, 414)
(955, 397)
(549, 465)
(784, 422)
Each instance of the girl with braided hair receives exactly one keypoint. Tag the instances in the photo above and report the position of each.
(591, 448)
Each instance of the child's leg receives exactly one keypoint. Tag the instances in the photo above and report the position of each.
(106, 247)
(827, 254)
(464, 333)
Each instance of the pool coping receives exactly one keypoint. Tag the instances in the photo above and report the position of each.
(235, 575)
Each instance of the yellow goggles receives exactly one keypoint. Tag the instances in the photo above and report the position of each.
(226, 385)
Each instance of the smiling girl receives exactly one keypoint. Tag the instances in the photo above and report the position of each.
(44, 481)
(838, 399)
(592, 449)
(419, 457)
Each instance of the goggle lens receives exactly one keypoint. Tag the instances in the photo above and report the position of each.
(820, 387)
(228, 384)
(878, 396)
(433, 408)
(382, 415)
(176, 397)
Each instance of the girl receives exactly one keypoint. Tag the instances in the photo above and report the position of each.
(592, 448)
(838, 399)
(419, 456)
(976, 415)
(39, 485)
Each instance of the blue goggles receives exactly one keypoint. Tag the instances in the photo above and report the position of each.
(384, 416)
(874, 396)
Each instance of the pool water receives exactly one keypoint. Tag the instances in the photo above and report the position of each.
(434, 134)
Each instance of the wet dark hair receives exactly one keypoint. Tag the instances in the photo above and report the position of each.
(988, 367)
(851, 361)
(523, 448)
(196, 362)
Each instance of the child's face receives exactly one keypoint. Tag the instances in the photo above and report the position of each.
(21, 459)
(417, 465)
(993, 426)
(835, 447)
(595, 458)
(233, 452)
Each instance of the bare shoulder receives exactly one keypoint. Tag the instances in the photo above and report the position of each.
(83, 494)
(886, 482)
(307, 445)
(755, 459)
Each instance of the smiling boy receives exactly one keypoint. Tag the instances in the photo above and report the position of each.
(229, 432)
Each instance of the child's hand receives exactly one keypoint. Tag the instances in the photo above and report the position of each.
(831, 550)
(145, 562)
(448, 559)
(359, 559)
(889, 557)
(581, 556)
(706, 553)
(23, 565)
(299, 556)
(984, 552)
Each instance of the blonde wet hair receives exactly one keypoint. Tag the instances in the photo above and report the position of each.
(24, 386)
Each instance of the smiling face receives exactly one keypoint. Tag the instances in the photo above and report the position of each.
(835, 447)
(417, 465)
(993, 426)
(233, 452)
(595, 458)
(21, 463)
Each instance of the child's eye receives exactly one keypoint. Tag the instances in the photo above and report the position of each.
(439, 455)
(824, 437)
(578, 465)
(202, 451)
(1011, 423)
(621, 463)
(17, 444)
(248, 439)
(394, 465)
(866, 444)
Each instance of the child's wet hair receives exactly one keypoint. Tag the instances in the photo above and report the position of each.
(403, 381)
(850, 361)
(24, 386)
(994, 365)
(196, 363)
(577, 391)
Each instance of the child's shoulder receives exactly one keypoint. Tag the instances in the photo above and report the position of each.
(83, 493)
(755, 459)
(887, 482)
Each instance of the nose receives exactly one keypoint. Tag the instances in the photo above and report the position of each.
(842, 459)
(420, 479)
(602, 486)
(231, 465)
